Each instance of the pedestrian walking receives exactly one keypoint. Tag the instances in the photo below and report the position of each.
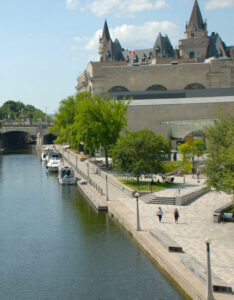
(193, 172)
(159, 214)
(176, 215)
(198, 175)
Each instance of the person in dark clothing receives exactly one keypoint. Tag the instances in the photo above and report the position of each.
(159, 214)
(176, 215)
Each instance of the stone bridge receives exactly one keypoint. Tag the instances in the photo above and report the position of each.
(16, 133)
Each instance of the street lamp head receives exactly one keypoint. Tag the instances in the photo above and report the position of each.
(207, 240)
(137, 194)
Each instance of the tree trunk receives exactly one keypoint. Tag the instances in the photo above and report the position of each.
(106, 157)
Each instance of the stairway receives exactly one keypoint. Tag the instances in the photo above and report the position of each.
(153, 199)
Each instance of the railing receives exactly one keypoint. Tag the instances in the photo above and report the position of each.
(24, 124)
(67, 156)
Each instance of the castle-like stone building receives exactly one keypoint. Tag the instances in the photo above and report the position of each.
(201, 67)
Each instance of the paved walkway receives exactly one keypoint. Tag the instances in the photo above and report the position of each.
(195, 222)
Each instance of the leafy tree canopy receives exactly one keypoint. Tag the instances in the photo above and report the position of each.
(186, 150)
(140, 152)
(98, 122)
(16, 110)
(199, 147)
(64, 119)
(94, 121)
(220, 154)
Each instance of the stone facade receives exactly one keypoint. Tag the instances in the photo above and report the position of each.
(177, 118)
(102, 78)
(201, 62)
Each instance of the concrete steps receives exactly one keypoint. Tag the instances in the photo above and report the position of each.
(163, 200)
(152, 199)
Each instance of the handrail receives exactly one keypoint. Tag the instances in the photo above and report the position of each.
(177, 192)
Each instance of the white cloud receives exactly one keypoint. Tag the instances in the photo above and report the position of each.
(215, 4)
(93, 41)
(71, 4)
(134, 37)
(77, 39)
(124, 7)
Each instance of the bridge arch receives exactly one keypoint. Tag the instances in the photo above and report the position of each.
(156, 87)
(16, 138)
(16, 134)
(48, 138)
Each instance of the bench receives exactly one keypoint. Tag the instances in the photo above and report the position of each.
(166, 241)
(227, 217)
(200, 271)
(220, 215)
(167, 179)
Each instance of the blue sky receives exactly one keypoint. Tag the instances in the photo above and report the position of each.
(46, 44)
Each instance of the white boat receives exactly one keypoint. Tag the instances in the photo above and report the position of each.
(45, 154)
(66, 175)
(54, 162)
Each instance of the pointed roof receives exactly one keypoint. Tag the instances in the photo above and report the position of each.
(105, 33)
(196, 17)
(163, 47)
(216, 46)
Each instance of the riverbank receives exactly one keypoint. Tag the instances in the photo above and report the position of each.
(189, 233)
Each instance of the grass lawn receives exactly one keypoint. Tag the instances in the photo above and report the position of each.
(146, 186)
(171, 166)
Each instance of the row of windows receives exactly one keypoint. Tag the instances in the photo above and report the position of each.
(157, 87)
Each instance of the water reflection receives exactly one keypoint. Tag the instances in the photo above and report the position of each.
(27, 149)
(54, 244)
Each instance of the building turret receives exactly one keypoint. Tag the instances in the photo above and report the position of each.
(108, 50)
(196, 40)
(196, 28)
(104, 42)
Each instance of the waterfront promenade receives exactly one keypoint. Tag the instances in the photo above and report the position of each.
(195, 224)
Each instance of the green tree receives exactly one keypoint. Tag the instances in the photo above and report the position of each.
(219, 165)
(187, 152)
(18, 111)
(140, 152)
(82, 129)
(199, 147)
(98, 122)
(64, 120)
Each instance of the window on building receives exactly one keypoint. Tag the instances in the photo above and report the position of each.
(194, 86)
(118, 89)
(156, 87)
(191, 54)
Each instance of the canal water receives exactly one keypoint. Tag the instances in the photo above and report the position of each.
(54, 245)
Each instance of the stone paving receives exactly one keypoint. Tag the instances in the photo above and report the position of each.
(195, 223)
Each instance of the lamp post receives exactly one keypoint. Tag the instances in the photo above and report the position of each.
(209, 280)
(107, 196)
(46, 120)
(193, 155)
(137, 209)
(88, 171)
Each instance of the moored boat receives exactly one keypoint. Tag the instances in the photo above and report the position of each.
(66, 175)
(45, 154)
(54, 162)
